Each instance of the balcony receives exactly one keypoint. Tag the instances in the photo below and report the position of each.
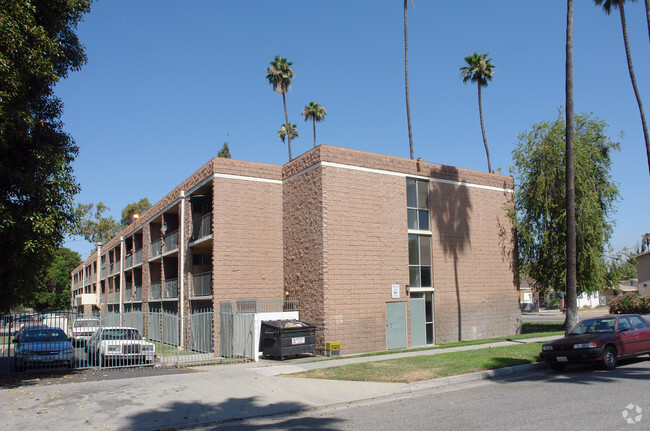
(128, 261)
(85, 299)
(133, 294)
(202, 284)
(156, 248)
(137, 257)
(202, 227)
(170, 290)
(154, 294)
(171, 241)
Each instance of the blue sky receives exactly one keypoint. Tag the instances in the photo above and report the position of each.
(168, 82)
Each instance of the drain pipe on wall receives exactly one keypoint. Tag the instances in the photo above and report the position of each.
(181, 254)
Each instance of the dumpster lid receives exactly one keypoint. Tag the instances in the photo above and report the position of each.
(284, 324)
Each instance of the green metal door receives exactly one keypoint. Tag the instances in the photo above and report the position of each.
(395, 325)
(418, 322)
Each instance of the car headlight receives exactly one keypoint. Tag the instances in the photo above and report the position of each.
(547, 348)
(114, 348)
(68, 350)
(146, 348)
(585, 345)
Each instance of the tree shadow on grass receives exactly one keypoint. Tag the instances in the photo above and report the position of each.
(234, 413)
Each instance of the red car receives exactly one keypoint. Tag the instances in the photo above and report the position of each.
(603, 339)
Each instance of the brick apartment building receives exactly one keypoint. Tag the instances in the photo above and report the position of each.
(382, 252)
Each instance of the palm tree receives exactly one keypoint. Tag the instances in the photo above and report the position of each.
(479, 69)
(608, 5)
(571, 257)
(314, 112)
(406, 78)
(289, 133)
(279, 75)
(647, 15)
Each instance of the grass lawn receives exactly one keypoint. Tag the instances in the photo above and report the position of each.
(408, 370)
(413, 369)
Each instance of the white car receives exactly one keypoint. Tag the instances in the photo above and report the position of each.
(83, 329)
(119, 346)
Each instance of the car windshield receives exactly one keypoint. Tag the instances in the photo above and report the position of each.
(121, 334)
(85, 323)
(590, 326)
(43, 336)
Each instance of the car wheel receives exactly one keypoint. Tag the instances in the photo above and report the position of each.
(609, 358)
(557, 366)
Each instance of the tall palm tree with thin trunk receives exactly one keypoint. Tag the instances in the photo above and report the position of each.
(571, 254)
(608, 5)
(279, 75)
(406, 77)
(647, 15)
(315, 112)
(479, 69)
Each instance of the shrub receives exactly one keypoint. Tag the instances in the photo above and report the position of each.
(632, 303)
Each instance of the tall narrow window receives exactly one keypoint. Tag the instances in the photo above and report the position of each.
(417, 202)
(419, 260)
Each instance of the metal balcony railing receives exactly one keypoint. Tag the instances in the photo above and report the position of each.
(202, 284)
(128, 261)
(170, 290)
(155, 292)
(171, 241)
(156, 248)
(202, 227)
(137, 257)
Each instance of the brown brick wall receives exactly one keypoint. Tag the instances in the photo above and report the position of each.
(247, 240)
(473, 260)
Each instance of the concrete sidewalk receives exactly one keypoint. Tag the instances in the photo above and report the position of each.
(210, 395)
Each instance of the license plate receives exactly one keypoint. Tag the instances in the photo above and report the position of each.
(562, 359)
(298, 340)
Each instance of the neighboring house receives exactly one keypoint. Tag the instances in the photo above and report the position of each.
(528, 296)
(588, 300)
(382, 252)
(643, 272)
(625, 287)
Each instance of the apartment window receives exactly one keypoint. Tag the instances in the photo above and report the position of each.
(417, 202)
(419, 260)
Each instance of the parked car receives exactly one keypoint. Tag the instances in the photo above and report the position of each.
(116, 345)
(25, 320)
(604, 339)
(42, 347)
(83, 329)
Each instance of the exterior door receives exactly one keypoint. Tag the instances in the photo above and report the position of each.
(395, 325)
(418, 322)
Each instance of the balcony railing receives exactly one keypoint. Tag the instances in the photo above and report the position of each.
(171, 241)
(202, 227)
(170, 289)
(110, 269)
(202, 284)
(154, 294)
(128, 261)
(155, 248)
(117, 267)
(127, 294)
(137, 257)
(133, 294)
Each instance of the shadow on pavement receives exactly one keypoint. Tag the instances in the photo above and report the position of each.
(231, 414)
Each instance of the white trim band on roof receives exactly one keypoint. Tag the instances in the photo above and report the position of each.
(244, 178)
(399, 174)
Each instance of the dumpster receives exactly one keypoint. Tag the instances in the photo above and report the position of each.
(282, 338)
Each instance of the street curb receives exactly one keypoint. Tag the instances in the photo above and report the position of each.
(442, 382)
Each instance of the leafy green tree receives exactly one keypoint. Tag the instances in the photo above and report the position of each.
(622, 267)
(38, 47)
(53, 289)
(315, 112)
(406, 76)
(93, 226)
(279, 75)
(291, 132)
(133, 211)
(645, 242)
(479, 69)
(224, 151)
(571, 304)
(608, 5)
(539, 210)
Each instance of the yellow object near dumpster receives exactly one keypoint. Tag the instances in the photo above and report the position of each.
(332, 346)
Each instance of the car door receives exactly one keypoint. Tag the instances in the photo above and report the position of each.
(643, 330)
(627, 336)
